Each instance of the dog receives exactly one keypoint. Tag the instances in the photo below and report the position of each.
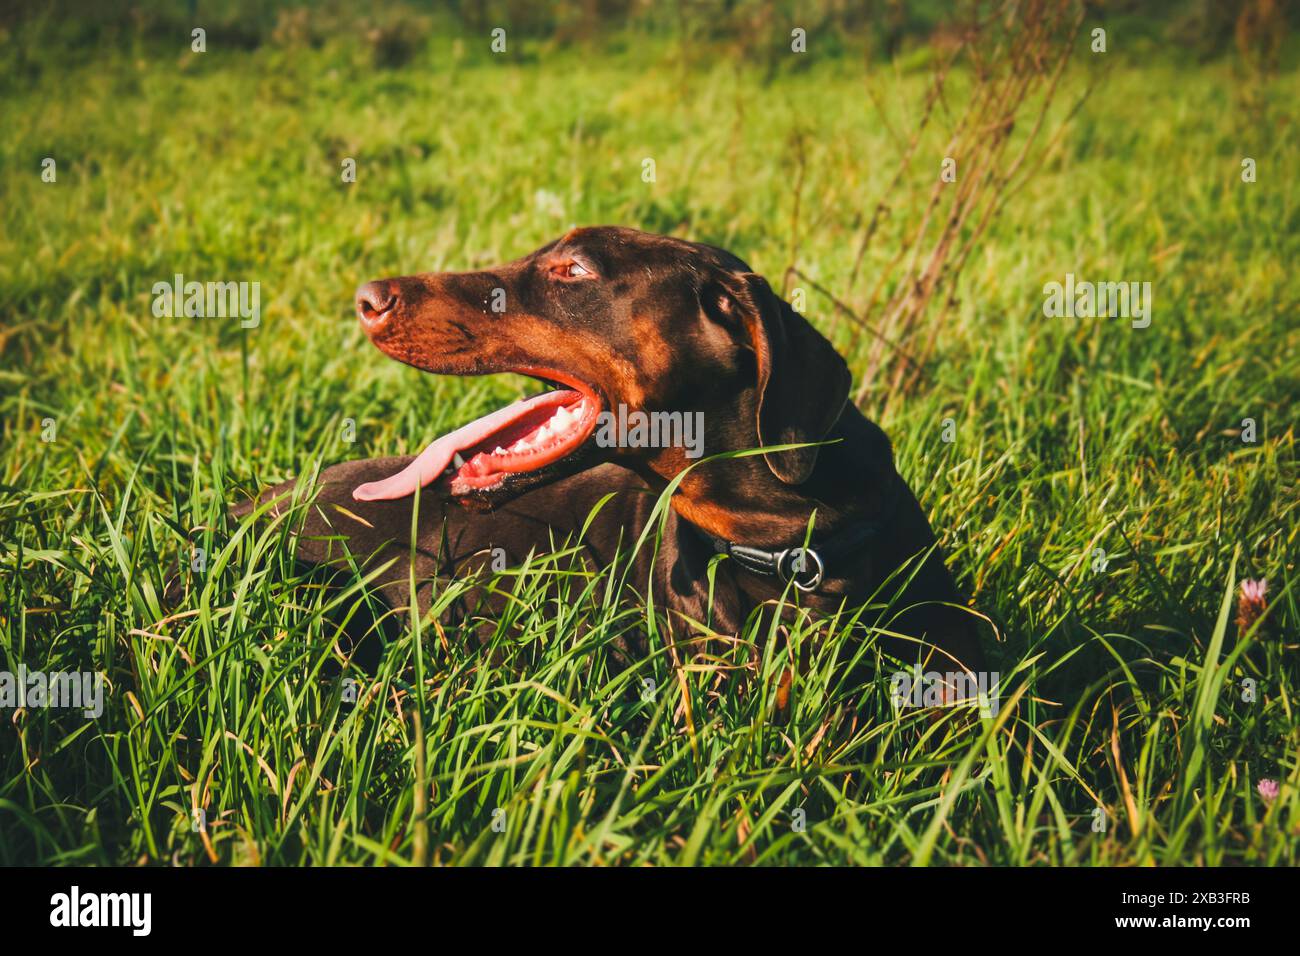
(613, 322)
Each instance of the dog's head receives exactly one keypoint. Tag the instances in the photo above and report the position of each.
(655, 351)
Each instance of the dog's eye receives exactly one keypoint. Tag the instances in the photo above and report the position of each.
(569, 269)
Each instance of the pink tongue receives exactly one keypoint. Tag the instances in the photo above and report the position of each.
(433, 461)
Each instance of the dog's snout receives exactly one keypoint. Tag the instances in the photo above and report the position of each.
(376, 303)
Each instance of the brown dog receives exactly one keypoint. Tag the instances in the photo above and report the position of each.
(619, 322)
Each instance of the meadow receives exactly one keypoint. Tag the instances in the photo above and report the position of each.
(1092, 483)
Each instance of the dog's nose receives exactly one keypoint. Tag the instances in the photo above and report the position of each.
(375, 304)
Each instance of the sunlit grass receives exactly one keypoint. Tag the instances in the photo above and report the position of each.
(1098, 500)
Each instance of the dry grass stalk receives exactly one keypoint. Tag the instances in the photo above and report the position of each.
(1015, 58)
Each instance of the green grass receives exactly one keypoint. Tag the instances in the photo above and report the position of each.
(1122, 686)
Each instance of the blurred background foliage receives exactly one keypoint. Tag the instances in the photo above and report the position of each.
(395, 32)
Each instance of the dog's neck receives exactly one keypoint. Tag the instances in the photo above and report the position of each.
(742, 501)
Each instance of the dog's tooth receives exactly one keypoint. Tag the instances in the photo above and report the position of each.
(562, 418)
(457, 460)
(498, 450)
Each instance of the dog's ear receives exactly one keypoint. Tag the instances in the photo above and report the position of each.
(803, 382)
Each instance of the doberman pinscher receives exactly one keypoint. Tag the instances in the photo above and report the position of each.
(617, 322)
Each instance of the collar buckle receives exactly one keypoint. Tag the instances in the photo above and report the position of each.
(793, 562)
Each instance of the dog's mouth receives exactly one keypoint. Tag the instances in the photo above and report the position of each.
(483, 456)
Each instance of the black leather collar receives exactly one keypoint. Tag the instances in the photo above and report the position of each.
(808, 567)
